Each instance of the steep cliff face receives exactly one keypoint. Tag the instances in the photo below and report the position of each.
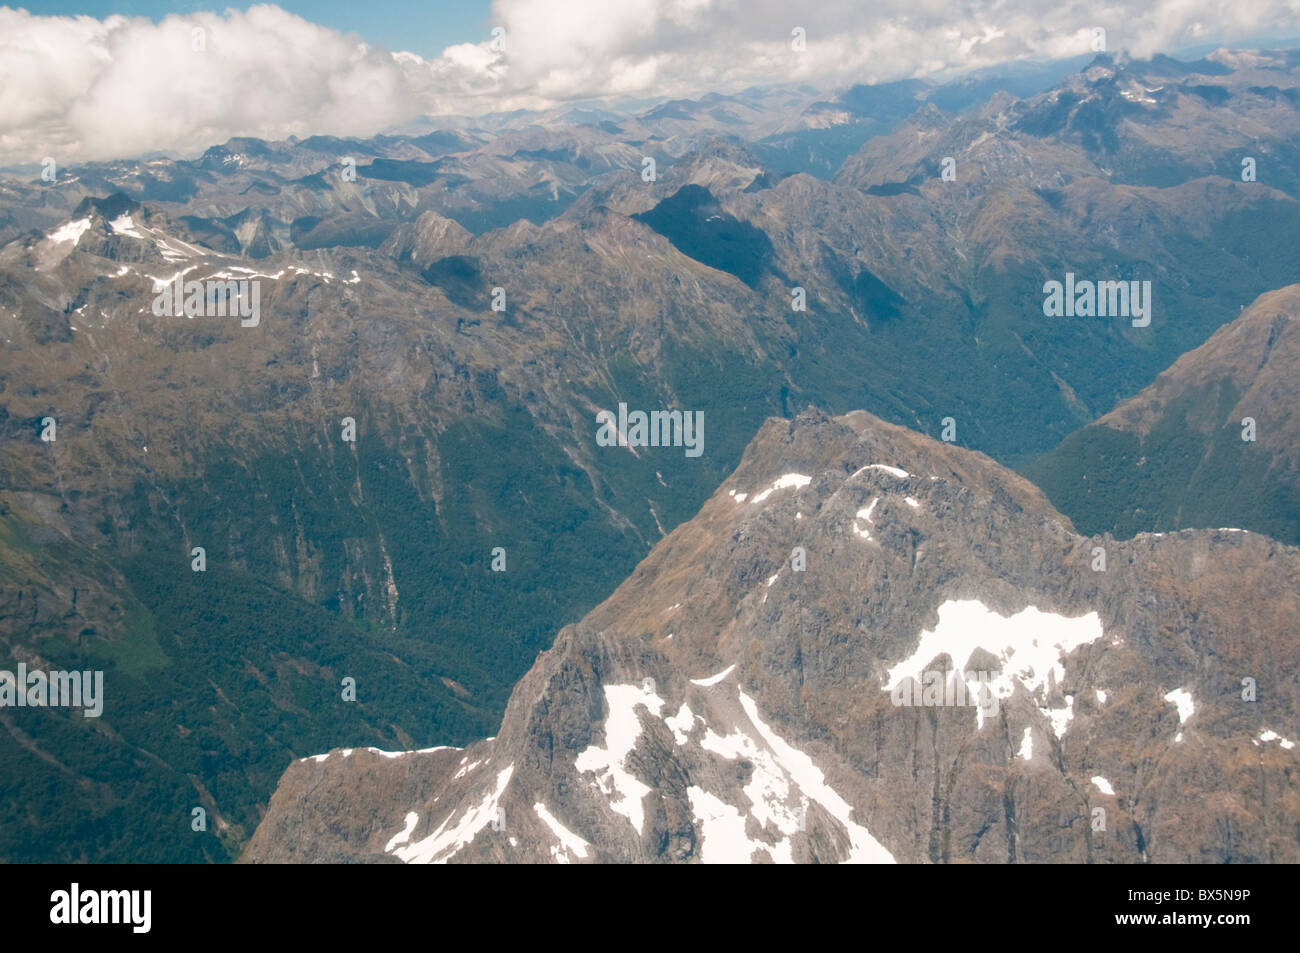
(868, 646)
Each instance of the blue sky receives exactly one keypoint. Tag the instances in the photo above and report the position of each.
(426, 27)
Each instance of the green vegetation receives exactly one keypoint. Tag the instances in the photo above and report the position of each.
(1178, 477)
(224, 676)
(253, 681)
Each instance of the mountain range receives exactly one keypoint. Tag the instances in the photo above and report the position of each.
(661, 285)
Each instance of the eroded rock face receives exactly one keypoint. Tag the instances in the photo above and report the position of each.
(738, 697)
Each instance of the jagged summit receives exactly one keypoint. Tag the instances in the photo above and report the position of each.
(110, 207)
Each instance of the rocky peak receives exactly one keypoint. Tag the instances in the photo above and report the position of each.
(426, 240)
(867, 646)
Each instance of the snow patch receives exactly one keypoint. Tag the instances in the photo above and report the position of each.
(244, 274)
(782, 782)
(789, 480)
(160, 283)
(893, 471)
(1183, 699)
(70, 232)
(1268, 735)
(1060, 717)
(723, 838)
(863, 848)
(1031, 645)
(122, 225)
(864, 514)
(446, 841)
(714, 679)
(402, 836)
(622, 728)
(570, 843)
(681, 724)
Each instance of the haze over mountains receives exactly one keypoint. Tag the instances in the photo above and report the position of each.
(378, 263)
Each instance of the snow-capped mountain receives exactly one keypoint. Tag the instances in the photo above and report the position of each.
(867, 646)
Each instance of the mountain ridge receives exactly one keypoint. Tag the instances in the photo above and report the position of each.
(755, 721)
(1175, 455)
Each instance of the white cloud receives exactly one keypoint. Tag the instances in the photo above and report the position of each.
(80, 88)
(583, 47)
